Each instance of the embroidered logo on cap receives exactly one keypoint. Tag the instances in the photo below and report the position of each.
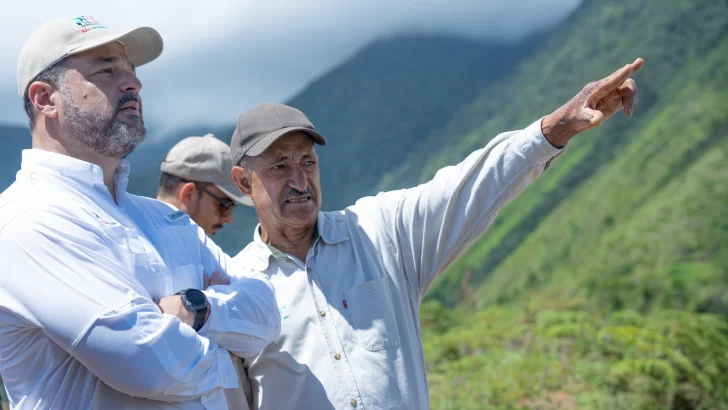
(88, 23)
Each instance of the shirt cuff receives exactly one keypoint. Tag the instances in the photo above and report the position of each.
(534, 145)
(220, 321)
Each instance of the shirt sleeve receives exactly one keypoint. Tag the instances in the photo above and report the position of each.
(244, 315)
(70, 283)
(434, 223)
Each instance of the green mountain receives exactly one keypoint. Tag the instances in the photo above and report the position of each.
(603, 285)
(680, 44)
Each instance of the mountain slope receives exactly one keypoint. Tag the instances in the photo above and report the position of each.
(377, 106)
(604, 285)
(670, 39)
(649, 230)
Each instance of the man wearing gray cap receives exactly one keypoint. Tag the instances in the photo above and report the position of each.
(102, 306)
(195, 178)
(349, 283)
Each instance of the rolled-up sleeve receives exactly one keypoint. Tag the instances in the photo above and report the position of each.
(244, 315)
(72, 286)
(434, 223)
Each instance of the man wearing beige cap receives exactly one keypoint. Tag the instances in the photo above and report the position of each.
(102, 305)
(195, 178)
(349, 283)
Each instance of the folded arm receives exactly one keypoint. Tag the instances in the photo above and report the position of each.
(71, 285)
(244, 315)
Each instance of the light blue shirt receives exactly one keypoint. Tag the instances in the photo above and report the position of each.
(351, 331)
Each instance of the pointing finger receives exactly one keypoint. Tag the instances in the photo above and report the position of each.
(614, 80)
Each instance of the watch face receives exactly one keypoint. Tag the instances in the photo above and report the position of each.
(196, 298)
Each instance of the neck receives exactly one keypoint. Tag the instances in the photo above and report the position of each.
(294, 241)
(68, 146)
(172, 200)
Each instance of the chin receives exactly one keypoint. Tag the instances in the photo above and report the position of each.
(301, 219)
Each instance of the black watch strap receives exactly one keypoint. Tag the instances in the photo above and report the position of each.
(200, 316)
(200, 311)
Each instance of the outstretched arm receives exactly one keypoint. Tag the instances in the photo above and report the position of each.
(431, 225)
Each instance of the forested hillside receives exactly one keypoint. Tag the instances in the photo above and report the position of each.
(603, 285)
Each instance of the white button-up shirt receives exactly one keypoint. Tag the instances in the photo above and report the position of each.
(351, 331)
(78, 325)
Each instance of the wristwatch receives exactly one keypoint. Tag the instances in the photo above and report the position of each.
(196, 302)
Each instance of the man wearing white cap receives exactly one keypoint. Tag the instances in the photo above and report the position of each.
(102, 306)
(195, 178)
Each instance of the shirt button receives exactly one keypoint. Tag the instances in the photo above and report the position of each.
(353, 402)
(322, 313)
(289, 260)
(308, 270)
(337, 356)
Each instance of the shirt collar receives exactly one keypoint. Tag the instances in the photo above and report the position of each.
(326, 231)
(46, 162)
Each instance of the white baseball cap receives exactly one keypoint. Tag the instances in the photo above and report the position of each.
(64, 36)
(204, 159)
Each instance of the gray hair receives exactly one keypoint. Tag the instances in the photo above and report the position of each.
(52, 75)
(246, 162)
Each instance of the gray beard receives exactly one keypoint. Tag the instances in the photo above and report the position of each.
(103, 132)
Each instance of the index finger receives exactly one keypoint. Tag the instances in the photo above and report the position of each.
(618, 77)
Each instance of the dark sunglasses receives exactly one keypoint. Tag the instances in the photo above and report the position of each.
(226, 206)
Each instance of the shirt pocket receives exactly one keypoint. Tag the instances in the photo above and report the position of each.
(372, 315)
(144, 267)
(187, 276)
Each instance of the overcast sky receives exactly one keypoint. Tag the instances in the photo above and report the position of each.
(223, 57)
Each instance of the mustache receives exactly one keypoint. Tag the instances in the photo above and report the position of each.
(130, 97)
(293, 192)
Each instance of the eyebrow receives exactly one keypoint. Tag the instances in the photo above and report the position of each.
(284, 157)
(111, 60)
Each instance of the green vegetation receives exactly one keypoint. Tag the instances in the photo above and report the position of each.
(603, 285)
(548, 355)
(683, 44)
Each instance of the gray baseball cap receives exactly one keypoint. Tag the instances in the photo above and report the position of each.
(204, 159)
(61, 37)
(258, 128)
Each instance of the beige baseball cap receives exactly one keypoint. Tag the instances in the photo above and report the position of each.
(64, 36)
(258, 128)
(204, 159)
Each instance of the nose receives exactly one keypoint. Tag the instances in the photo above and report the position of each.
(297, 179)
(130, 83)
(227, 219)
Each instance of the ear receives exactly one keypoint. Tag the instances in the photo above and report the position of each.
(44, 98)
(187, 195)
(242, 179)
